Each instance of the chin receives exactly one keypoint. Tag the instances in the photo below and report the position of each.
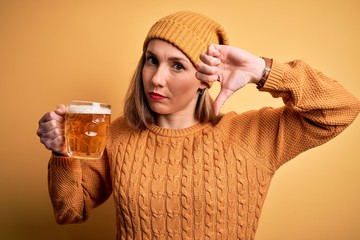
(159, 110)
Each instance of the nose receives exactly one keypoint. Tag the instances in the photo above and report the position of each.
(158, 79)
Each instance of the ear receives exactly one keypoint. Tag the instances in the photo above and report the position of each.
(203, 86)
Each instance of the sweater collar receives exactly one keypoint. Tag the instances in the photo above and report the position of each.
(177, 132)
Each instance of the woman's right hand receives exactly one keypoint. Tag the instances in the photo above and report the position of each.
(51, 130)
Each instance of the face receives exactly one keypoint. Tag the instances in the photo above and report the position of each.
(170, 85)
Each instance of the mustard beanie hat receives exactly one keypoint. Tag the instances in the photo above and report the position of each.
(190, 32)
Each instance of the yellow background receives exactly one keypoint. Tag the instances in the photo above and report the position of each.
(54, 51)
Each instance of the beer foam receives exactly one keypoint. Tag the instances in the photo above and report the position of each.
(93, 109)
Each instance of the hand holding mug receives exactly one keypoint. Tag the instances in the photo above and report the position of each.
(78, 130)
(51, 130)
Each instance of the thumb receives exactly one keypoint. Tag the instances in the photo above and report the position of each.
(60, 109)
(221, 99)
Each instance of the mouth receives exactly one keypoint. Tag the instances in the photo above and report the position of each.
(156, 96)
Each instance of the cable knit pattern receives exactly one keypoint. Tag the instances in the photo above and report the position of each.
(206, 181)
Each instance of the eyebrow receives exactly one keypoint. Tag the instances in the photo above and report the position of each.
(174, 59)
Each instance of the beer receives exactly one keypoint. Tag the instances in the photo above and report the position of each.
(86, 126)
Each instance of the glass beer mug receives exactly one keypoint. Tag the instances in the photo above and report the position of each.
(86, 127)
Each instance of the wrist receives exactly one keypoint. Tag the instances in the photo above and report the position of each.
(59, 154)
(265, 73)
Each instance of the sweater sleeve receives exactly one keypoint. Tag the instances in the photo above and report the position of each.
(316, 109)
(76, 187)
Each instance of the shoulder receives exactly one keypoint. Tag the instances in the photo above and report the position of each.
(241, 125)
(234, 119)
(120, 127)
(119, 122)
(231, 122)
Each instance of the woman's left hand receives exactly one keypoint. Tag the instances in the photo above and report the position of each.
(232, 67)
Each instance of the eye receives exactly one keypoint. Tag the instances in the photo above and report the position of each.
(178, 67)
(151, 60)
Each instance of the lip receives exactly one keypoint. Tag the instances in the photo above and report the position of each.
(156, 96)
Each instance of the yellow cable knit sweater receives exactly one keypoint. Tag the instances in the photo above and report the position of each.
(203, 182)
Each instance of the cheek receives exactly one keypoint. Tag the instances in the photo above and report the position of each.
(184, 88)
(145, 77)
(190, 84)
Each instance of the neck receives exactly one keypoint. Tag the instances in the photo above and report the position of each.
(176, 122)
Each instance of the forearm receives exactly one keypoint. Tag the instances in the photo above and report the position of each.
(317, 97)
(317, 108)
(75, 188)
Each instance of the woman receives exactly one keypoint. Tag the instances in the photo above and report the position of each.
(175, 166)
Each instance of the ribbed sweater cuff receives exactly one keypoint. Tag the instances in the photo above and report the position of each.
(63, 161)
(275, 77)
